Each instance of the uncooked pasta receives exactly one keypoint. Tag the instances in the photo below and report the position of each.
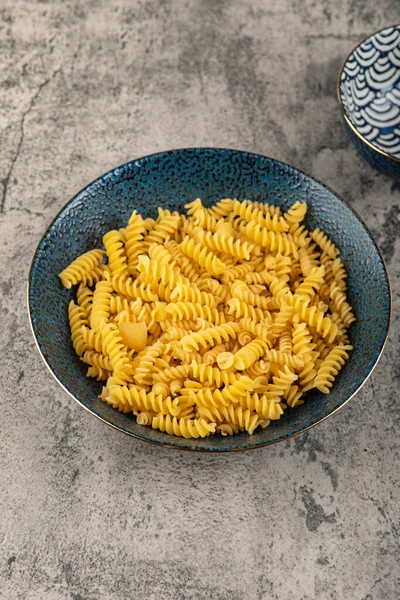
(214, 322)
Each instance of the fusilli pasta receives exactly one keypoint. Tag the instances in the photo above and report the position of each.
(211, 323)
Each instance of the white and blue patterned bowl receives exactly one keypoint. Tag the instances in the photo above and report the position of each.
(172, 179)
(369, 95)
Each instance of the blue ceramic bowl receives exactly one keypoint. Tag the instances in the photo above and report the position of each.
(369, 96)
(172, 179)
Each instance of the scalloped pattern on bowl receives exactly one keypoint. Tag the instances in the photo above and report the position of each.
(171, 179)
(370, 90)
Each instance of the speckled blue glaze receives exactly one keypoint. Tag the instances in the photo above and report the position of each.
(172, 179)
(369, 96)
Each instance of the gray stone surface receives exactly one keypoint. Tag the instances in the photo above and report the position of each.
(87, 513)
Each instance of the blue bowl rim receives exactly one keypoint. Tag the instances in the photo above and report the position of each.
(175, 440)
(339, 96)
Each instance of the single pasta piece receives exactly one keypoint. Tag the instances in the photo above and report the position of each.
(77, 320)
(330, 367)
(203, 256)
(114, 245)
(84, 296)
(187, 428)
(134, 335)
(324, 243)
(101, 303)
(98, 373)
(227, 245)
(145, 418)
(248, 355)
(296, 213)
(210, 337)
(271, 240)
(134, 237)
(80, 267)
(284, 358)
(97, 359)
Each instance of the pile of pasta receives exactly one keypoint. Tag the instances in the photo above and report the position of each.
(212, 322)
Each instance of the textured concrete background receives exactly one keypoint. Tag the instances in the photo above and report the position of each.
(87, 513)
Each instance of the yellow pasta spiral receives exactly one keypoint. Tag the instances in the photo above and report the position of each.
(258, 329)
(140, 400)
(119, 304)
(271, 240)
(191, 293)
(204, 220)
(222, 208)
(212, 375)
(280, 322)
(314, 318)
(210, 337)
(152, 271)
(98, 373)
(94, 275)
(133, 289)
(285, 341)
(262, 406)
(230, 394)
(293, 396)
(114, 349)
(114, 246)
(92, 338)
(279, 288)
(244, 418)
(162, 230)
(203, 256)
(301, 339)
(189, 268)
(283, 358)
(147, 360)
(97, 359)
(171, 373)
(134, 233)
(194, 206)
(145, 418)
(250, 213)
(307, 375)
(101, 303)
(312, 282)
(339, 274)
(187, 428)
(324, 243)
(239, 271)
(210, 356)
(221, 243)
(241, 291)
(79, 269)
(341, 305)
(258, 369)
(248, 355)
(190, 310)
(282, 381)
(227, 429)
(300, 235)
(77, 319)
(307, 262)
(84, 297)
(238, 308)
(296, 213)
(330, 367)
